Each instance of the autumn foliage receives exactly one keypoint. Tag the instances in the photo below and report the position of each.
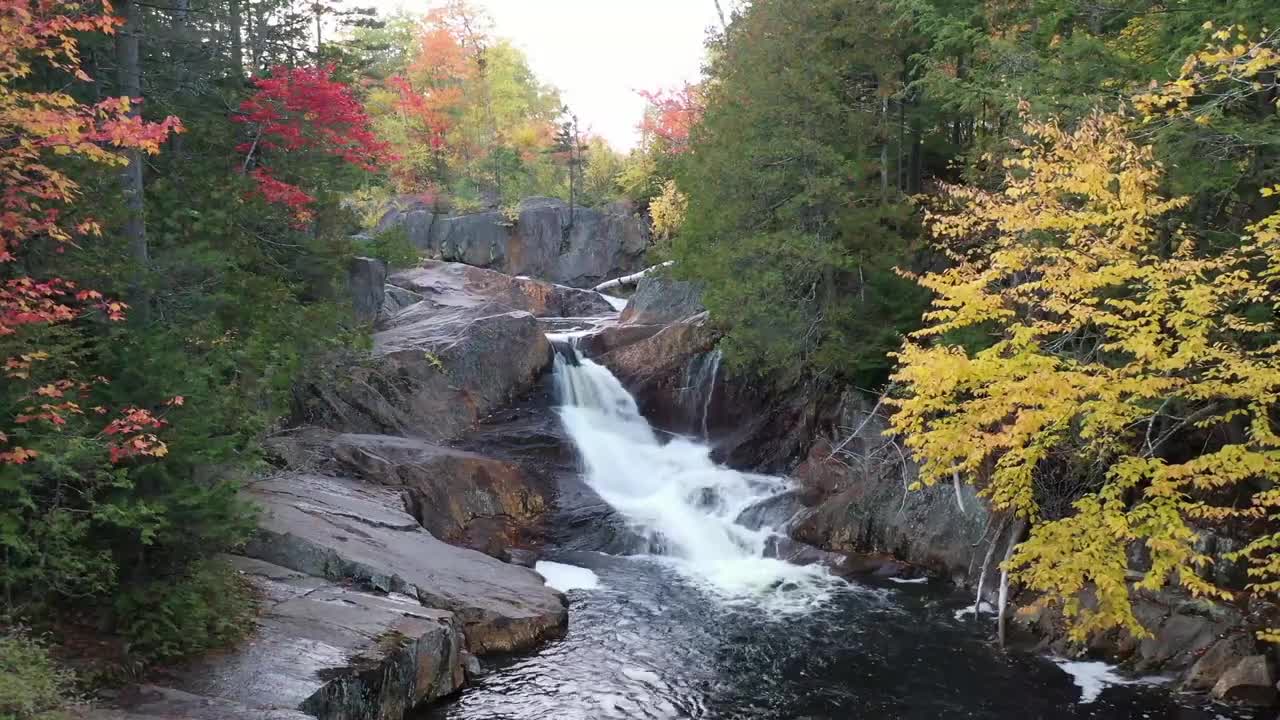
(37, 200)
(304, 111)
(1131, 372)
(672, 115)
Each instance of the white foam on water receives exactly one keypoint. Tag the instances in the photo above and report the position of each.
(1092, 677)
(910, 581)
(617, 303)
(642, 675)
(985, 607)
(567, 577)
(674, 494)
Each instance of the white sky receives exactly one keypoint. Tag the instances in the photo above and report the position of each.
(600, 52)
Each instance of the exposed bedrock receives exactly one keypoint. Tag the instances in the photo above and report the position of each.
(543, 239)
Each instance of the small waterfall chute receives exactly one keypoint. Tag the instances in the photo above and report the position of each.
(675, 494)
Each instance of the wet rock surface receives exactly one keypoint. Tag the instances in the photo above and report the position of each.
(321, 649)
(332, 651)
(343, 529)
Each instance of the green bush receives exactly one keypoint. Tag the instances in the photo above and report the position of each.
(210, 607)
(32, 685)
(391, 246)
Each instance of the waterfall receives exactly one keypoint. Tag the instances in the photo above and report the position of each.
(675, 495)
(711, 389)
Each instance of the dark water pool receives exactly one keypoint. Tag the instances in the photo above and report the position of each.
(649, 643)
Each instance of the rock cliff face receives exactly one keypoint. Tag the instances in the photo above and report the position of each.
(544, 240)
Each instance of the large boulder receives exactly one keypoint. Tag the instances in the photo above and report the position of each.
(366, 277)
(320, 650)
(347, 530)
(544, 239)
(1252, 681)
(430, 375)
(1221, 657)
(432, 371)
(661, 300)
(460, 497)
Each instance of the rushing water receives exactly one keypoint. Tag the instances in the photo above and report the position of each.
(702, 624)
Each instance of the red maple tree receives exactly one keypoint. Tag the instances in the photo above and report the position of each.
(671, 115)
(304, 110)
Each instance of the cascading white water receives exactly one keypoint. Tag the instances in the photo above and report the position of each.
(711, 391)
(673, 492)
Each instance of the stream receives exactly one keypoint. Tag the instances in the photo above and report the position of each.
(694, 620)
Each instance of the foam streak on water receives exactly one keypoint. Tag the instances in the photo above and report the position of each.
(673, 493)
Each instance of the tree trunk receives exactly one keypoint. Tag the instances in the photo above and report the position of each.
(1003, 603)
(884, 151)
(631, 279)
(129, 82)
(915, 178)
(181, 55)
(236, 21)
(720, 12)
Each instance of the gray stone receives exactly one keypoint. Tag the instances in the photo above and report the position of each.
(861, 504)
(1178, 642)
(334, 652)
(1216, 661)
(367, 277)
(320, 650)
(396, 298)
(342, 529)
(660, 300)
(431, 375)
(544, 240)
(148, 702)
(1252, 681)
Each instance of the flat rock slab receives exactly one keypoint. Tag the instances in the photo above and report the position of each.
(343, 529)
(148, 702)
(320, 650)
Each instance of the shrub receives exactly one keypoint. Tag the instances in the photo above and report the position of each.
(392, 246)
(209, 607)
(32, 685)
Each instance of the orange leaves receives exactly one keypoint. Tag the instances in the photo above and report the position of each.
(131, 436)
(17, 456)
(672, 115)
(41, 35)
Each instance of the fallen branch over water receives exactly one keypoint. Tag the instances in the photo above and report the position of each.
(631, 279)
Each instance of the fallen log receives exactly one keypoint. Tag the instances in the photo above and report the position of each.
(631, 279)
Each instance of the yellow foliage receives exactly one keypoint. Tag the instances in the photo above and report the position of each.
(1110, 335)
(668, 210)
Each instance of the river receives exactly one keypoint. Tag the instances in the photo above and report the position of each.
(693, 620)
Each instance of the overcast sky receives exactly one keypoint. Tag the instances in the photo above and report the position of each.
(600, 52)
